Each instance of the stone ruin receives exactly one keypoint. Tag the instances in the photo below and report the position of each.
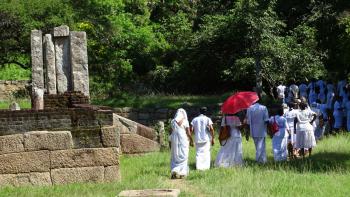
(64, 139)
(59, 64)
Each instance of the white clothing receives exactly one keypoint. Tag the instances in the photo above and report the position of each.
(202, 138)
(279, 147)
(203, 155)
(280, 139)
(304, 118)
(200, 126)
(179, 144)
(260, 147)
(304, 130)
(257, 116)
(290, 116)
(294, 90)
(231, 153)
(280, 90)
(283, 126)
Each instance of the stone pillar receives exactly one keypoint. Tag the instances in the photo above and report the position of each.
(37, 66)
(63, 71)
(38, 98)
(161, 133)
(50, 63)
(79, 62)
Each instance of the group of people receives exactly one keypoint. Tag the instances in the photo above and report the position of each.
(181, 139)
(306, 111)
(230, 154)
(331, 100)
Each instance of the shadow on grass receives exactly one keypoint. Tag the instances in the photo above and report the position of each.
(317, 163)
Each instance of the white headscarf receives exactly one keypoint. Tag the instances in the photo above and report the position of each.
(181, 114)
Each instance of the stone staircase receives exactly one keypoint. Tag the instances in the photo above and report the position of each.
(136, 138)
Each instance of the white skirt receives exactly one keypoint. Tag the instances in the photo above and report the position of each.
(231, 154)
(305, 139)
(279, 146)
(203, 155)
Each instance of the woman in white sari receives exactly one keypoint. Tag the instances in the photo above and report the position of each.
(180, 140)
(231, 153)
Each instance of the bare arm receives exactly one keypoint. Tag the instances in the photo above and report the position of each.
(188, 132)
(313, 119)
(211, 129)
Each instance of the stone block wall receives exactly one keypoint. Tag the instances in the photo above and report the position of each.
(136, 138)
(65, 100)
(151, 116)
(52, 147)
(73, 119)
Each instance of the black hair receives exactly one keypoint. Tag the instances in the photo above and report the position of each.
(302, 106)
(280, 111)
(203, 110)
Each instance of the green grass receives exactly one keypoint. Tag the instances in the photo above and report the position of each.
(326, 173)
(14, 72)
(23, 103)
(161, 101)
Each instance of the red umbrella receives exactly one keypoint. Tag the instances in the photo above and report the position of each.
(239, 101)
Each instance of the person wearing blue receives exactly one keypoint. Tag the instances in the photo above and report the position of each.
(257, 118)
(338, 114)
(280, 138)
(340, 87)
(320, 83)
(312, 91)
(321, 118)
(347, 107)
(303, 90)
(330, 95)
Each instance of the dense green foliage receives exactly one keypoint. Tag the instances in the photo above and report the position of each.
(14, 72)
(201, 46)
(326, 173)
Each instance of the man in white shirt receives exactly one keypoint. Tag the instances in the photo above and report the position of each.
(202, 127)
(258, 118)
(281, 92)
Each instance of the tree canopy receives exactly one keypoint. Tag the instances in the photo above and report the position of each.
(190, 46)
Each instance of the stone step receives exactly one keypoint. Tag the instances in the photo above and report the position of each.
(135, 144)
(150, 192)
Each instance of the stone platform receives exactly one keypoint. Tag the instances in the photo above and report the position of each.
(150, 193)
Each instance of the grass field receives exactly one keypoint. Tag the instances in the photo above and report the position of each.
(326, 173)
(23, 103)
